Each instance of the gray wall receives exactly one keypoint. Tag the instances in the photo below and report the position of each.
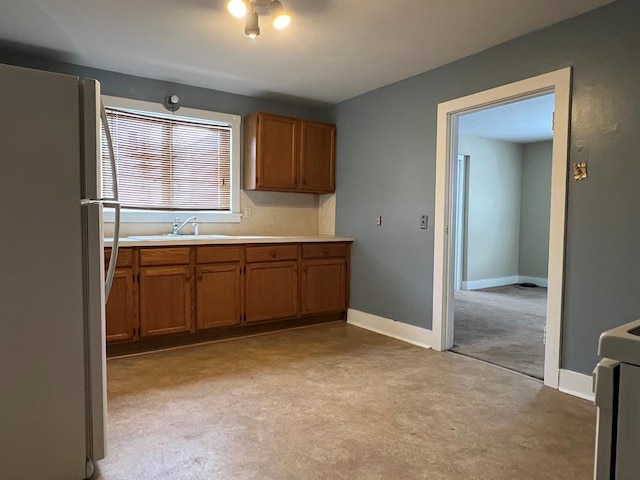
(151, 90)
(493, 207)
(386, 165)
(535, 209)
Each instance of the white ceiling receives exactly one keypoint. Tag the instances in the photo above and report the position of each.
(333, 49)
(525, 121)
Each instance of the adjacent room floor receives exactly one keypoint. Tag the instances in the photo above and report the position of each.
(503, 326)
(336, 402)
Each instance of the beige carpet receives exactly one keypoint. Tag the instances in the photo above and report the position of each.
(336, 402)
(503, 326)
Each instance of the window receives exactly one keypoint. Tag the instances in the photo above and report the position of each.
(172, 165)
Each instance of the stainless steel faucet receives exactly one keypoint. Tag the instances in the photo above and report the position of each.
(177, 226)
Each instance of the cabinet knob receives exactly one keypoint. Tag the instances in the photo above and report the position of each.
(272, 253)
(325, 251)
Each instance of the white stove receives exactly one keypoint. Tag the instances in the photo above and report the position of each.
(617, 389)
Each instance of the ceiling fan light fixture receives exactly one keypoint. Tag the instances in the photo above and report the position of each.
(280, 17)
(237, 8)
(251, 27)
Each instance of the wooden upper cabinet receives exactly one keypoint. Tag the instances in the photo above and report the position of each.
(288, 154)
(317, 157)
(277, 153)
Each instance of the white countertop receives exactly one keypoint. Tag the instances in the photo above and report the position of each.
(166, 240)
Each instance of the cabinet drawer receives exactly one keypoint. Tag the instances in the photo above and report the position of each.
(321, 250)
(272, 253)
(218, 254)
(125, 257)
(164, 256)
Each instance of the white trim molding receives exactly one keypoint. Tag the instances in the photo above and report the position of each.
(391, 328)
(489, 282)
(558, 82)
(576, 384)
(502, 281)
(541, 282)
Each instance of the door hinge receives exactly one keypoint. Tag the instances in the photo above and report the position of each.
(553, 121)
(544, 335)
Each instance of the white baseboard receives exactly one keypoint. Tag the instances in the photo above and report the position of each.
(391, 328)
(489, 282)
(541, 282)
(576, 384)
(502, 281)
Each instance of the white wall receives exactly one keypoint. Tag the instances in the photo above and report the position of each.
(493, 213)
(535, 209)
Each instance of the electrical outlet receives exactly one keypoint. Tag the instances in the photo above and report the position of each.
(424, 221)
(248, 212)
(379, 221)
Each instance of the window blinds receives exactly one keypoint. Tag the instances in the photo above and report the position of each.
(168, 163)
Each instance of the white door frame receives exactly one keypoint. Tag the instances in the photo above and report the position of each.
(460, 209)
(558, 82)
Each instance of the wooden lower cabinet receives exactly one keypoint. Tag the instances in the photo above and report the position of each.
(165, 300)
(121, 322)
(218, 295)
(158, 292)
(271, 291)
(323, 285)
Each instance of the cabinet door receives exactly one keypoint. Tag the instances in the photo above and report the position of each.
(277, 153)
(218, 294)
(271, 291)
(324, 285)
(165, 300)
(317, 157)
(120, 309)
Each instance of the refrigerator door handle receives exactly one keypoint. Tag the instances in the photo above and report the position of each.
(112, 202)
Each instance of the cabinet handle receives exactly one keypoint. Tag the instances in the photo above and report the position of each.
(272, 253)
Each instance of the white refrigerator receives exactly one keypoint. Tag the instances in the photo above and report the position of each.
(52, 286)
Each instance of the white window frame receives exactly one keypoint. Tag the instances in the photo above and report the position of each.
(204, 216)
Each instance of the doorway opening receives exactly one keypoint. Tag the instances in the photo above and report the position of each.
(447, 274)
(501, 219)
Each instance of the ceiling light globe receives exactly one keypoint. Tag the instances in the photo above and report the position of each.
(237, 8)
(281, 21)
(280, 18)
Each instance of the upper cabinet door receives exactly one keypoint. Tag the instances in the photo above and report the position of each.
(288, 154)
(317, 157)
(276, 154)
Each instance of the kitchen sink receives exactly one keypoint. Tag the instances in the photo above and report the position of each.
(177, 237)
